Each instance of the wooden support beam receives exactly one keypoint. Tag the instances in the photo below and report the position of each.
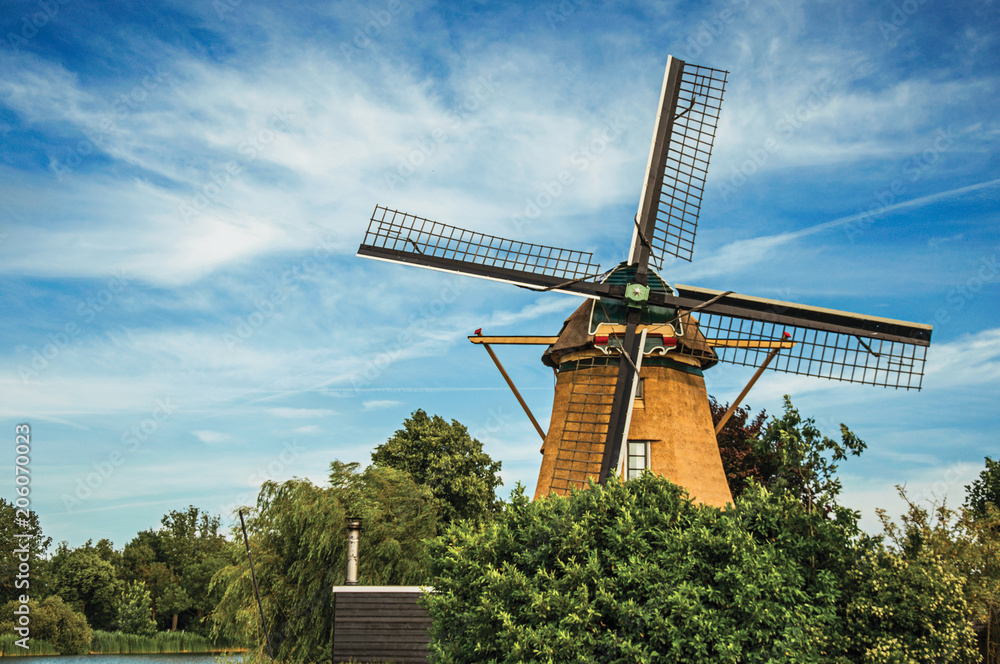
(528, 341)
(760, 370)
(652, 329)
(749, 343)
(510, 383)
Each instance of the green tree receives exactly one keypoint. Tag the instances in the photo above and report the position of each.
(104, 549)
(966, 543)
(807, 461)
(298, 536)
(635, 571)
(176, 563)
(447, 459)
(54, 621)
(985, 490)
(90, 584)
(14, 582)
(743, 458)
(140, 562)
(135, 611)
(172, 601)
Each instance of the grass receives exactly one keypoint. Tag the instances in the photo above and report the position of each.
(116, 643)
(36, 647)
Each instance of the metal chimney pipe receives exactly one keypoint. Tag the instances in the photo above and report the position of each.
(353, 541)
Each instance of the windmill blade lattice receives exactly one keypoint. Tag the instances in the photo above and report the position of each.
(819, 353)
(405, 238)
(832, 344)
(678, 168)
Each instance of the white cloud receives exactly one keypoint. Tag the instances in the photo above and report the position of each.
(211, 437)
(299, 413)
(973, 360)
(380, 404)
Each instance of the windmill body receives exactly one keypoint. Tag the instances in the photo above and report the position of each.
(629, 389)
(670, 432)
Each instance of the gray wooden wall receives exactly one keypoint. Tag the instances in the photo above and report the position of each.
(379, 624)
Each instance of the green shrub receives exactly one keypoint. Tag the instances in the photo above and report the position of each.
(635, 572)
(55, 622)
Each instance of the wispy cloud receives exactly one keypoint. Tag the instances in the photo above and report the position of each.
(227, 167)
(380, 404)
(212, 437)
(300, 413)
(741, 255)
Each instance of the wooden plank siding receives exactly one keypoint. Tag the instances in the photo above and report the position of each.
(379, 624)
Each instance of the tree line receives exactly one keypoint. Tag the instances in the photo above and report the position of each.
(632, 571)
(159, 581)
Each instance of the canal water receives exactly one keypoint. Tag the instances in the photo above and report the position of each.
(179, 658)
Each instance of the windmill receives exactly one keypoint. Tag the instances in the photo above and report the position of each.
(629, 384)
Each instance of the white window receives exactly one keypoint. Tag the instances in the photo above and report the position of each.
(638, 458)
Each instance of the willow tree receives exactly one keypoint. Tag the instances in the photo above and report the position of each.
(298, 539)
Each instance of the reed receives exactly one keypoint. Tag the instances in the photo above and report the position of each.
(35, 647)
(117, 643)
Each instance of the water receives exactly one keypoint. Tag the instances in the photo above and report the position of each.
(179, 658)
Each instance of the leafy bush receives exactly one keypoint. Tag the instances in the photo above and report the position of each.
(906, 610)
(55, 622)
(635, 571)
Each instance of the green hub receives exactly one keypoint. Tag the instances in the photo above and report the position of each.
(636, 295)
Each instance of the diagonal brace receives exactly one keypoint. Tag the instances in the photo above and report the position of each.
(510, 383)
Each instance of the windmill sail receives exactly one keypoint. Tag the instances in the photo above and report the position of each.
(828, 344)
(690, 101)
(596, 388)
(405, 238)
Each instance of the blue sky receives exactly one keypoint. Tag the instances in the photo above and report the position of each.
(183, 186)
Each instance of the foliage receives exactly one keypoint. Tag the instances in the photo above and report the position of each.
(965, 542)
(193, 549)
(907, 609)
(176, 563)
(985, 490)
(635, 571)
(9, 647)
(807, 460)
(448, 460)
(142, 561)
(104, 549)
(36, 543)
(298, 538)
(135, 610)
(89, 583)
(54, 622)
(114, 643)
(742, 457)
(788, 454)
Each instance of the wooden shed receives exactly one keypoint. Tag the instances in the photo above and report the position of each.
(379, 624)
